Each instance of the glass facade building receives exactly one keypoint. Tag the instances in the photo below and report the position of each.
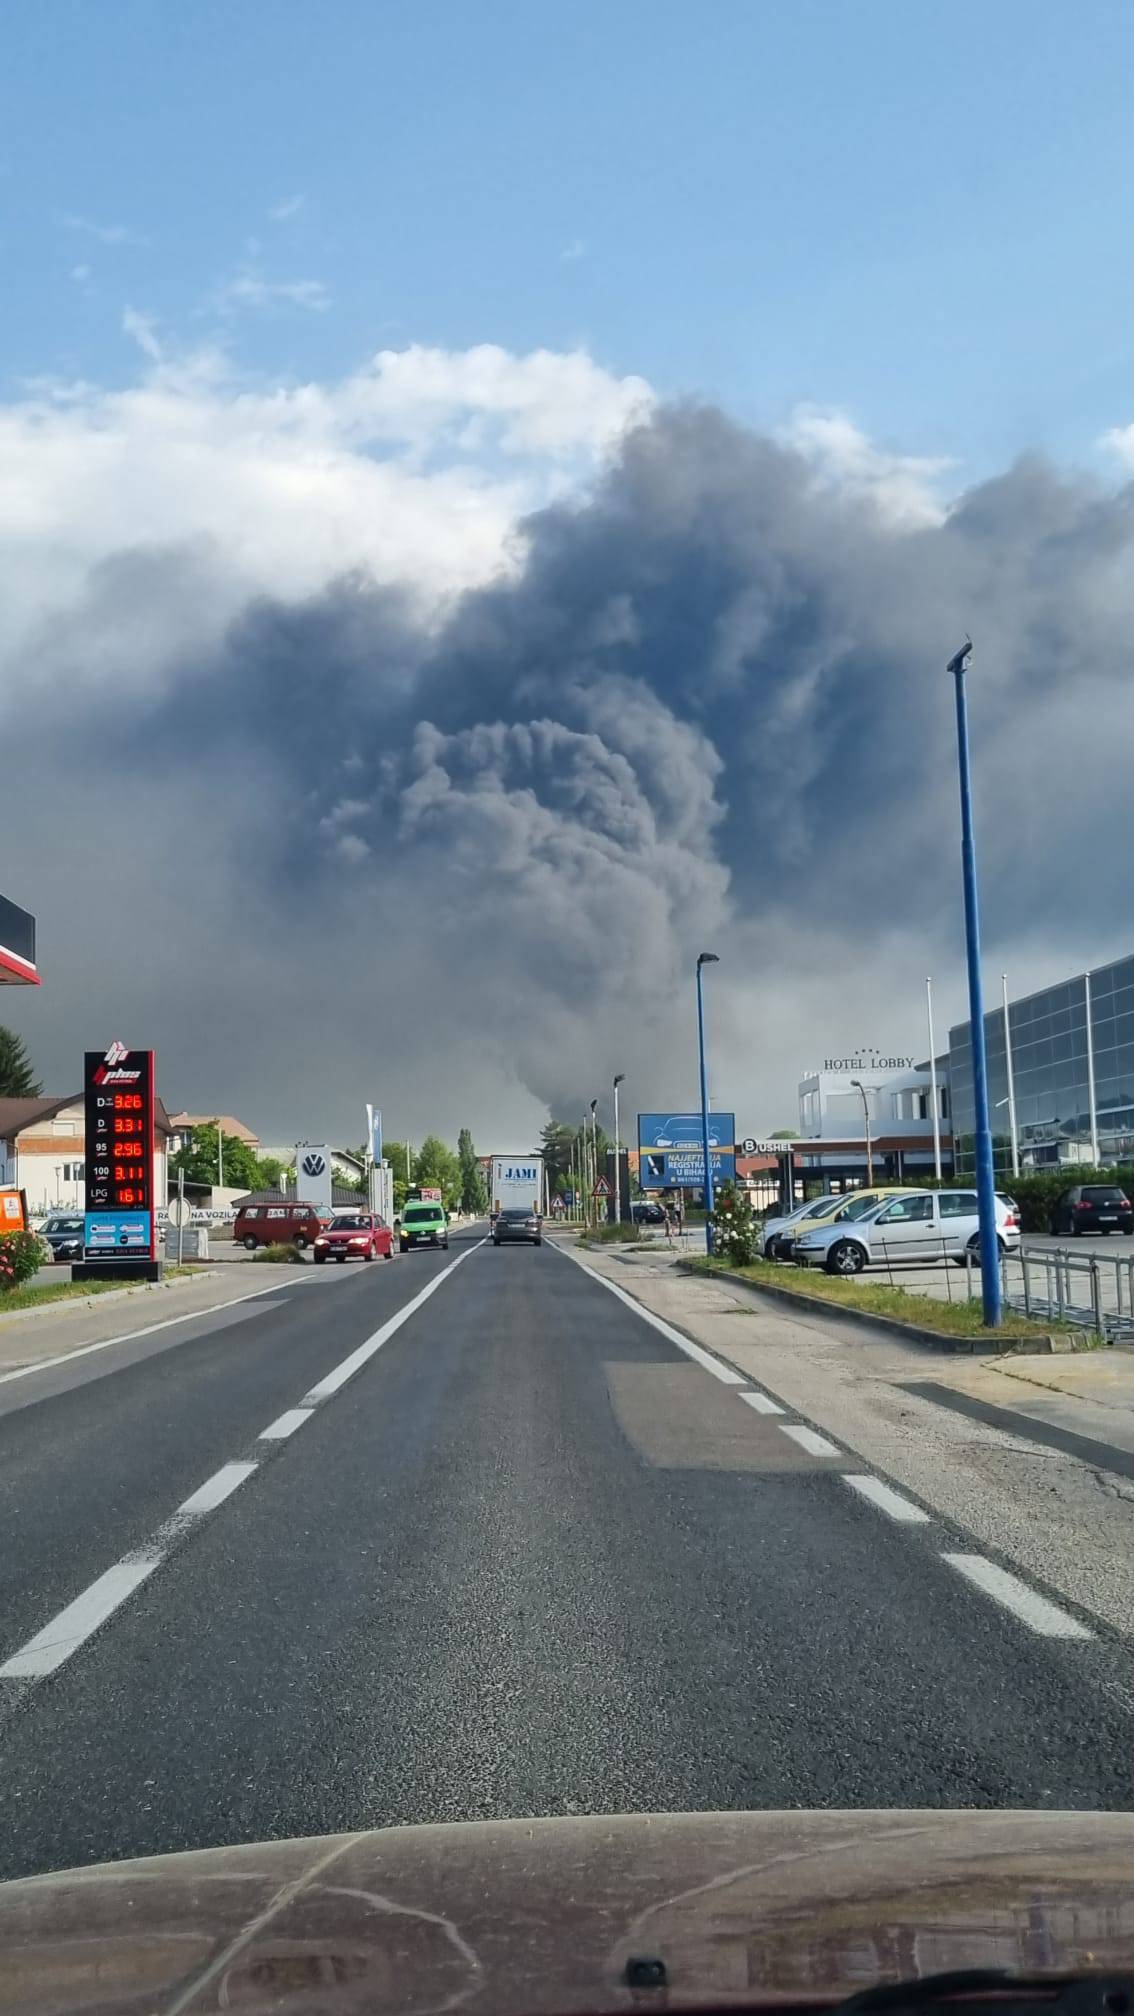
(1070, 1093)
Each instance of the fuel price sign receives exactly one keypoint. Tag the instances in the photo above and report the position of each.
(119, 1096)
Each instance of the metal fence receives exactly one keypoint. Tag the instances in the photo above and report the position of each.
(1095, 1290)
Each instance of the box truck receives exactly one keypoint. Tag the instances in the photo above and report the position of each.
(517, 1183)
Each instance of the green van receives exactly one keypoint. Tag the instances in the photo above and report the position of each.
(423, 1224)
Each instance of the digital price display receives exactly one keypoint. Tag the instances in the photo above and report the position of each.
(119, 1098)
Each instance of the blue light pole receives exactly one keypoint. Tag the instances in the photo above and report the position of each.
(705, 959)
(986, 1182)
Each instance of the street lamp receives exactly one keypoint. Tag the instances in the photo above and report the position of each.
(594, 1158)
(705, 959)
(619, 1076)
(859, 1086)
(986, 1182)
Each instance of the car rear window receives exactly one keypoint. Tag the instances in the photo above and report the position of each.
(421, 1214)
(1103, 1193)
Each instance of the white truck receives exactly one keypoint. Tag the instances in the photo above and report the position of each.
(516, 1184)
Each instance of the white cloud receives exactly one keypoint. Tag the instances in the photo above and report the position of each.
(290, 207)
(106, 234)
(80, 275)
(252, 290)
(904, 488)
(575, 250)
(273, 491)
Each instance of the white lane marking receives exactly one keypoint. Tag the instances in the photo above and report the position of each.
(888, 1501)
(724, 1373)
(167, 1323)
(56, 1642)
(349, 1366)
(215, 1490)
(1031, 1608)
(286, 1424)
(815, 1445)
(761, 1403)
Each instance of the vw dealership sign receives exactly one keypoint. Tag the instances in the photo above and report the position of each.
(671, 1154)
(313, 1173)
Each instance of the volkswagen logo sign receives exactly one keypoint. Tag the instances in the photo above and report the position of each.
(314, 1165)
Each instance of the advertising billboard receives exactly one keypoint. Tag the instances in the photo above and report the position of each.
(118, 1095)
(671, 1153)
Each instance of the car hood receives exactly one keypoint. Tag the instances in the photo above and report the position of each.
(518, 1917)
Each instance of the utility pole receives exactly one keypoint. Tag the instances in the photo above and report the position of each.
(617, 1154)
(594, 1159)
(986, 1181)
(866, 1116)
(705, 959)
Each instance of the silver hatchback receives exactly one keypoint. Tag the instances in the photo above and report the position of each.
(916, 1225)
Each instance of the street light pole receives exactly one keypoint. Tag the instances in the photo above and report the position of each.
(594, 1158)
(1011, 1078)
(705, 959)
(619, 1076)
(986, 1181)
(866, 1118)
(933, 1081)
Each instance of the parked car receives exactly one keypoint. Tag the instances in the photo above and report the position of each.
(64, 1235)
(1093, 1207)
(914, 1225)
(830, 1211)
(290, 1223)
(773, 1227)
(423, 1224)
(514, 1223)
(645, 1213)
(354, 1235)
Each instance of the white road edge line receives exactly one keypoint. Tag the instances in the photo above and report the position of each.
(286, 1424)
(888, 1501)
(167, 1323)
(724, 1373)
(56, 1642)
(815, 1445)
(1028, 1605)
(324, 1387)
(215, 1490)
(761, 1403)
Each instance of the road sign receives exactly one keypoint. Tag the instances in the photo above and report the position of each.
(602, 1188)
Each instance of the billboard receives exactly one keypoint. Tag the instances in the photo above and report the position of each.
(671, 1154)
(17, 946)
(118, 1096)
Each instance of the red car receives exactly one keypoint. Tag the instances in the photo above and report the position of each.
(354, 1235)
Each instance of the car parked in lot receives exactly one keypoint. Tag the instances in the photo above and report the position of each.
(643, 1212)
(354, 1235)
(289, 1223)
(845, 1209)
(514, 1224)
(423, 1223)
(774, 1228)
(64, 1235)
(1093, 1207)
(920, 1225)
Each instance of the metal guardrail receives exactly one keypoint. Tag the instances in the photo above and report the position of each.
(1095, 1290)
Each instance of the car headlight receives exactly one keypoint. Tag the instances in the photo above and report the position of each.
(320, 1242)
(361, 1241)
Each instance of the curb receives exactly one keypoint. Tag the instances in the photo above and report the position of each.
(63, 1303)
(938, 1340)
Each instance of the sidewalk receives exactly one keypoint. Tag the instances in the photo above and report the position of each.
(1032, 1456)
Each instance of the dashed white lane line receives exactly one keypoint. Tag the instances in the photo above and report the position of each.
(887, 1500)
(349, 1366)
(215, 1490)
(724, 1373)
(286, 1425)
(761, 1403)
(67, 1631)
(815, 1445)
(1034, 1610)
(56, 1642)
(149, 1330)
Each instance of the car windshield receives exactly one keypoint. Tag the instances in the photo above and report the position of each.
(507, 513)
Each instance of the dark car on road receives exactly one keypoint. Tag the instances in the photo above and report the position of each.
(1093, 1207)
(647, 1214)
(517, 1224)
(64, 1235)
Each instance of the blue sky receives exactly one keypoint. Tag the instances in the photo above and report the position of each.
(916, 214)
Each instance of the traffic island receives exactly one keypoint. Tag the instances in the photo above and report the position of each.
(955, 1326)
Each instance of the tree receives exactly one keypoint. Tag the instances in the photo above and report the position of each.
(436, 1166)
(474, 1194)
(557, 1139)
(271, 1169)
(17, 1079)
(734, 1227)
(784, 1134)
(199, 1160)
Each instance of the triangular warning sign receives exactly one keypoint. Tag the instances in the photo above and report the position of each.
(602, 1188)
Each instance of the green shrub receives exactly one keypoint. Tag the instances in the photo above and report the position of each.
(279, 1255)
(735, 1227)
(22, 1254)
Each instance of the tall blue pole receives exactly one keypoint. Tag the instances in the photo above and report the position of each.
(706, 958)
(986, 1182)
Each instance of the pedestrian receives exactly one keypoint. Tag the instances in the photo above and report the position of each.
(668, 1224)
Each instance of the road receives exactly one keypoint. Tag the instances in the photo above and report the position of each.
(510, 1550)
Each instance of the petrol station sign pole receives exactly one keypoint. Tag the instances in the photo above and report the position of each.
(120, 1220)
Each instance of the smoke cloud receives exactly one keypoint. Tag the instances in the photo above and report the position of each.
(441, 818)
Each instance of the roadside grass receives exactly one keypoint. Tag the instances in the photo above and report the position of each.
(611, 1235)
(279, 1256)
(875, 1298)
(15, 1299)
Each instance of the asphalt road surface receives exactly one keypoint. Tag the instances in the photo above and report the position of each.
(510, 1550)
